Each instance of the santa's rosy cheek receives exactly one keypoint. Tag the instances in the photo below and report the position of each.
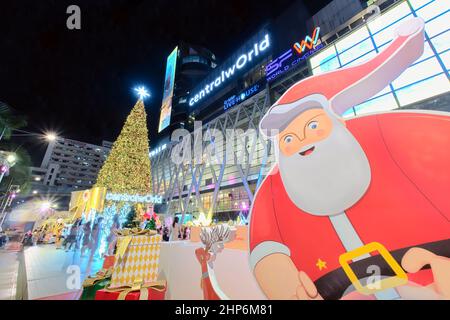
(320, 133)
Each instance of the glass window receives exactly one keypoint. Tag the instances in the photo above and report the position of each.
(383, 103)
(423, 90)
(387, 18)
(362, 59)
(332, 64)
(438, 25)
(422, 70)
(386, 35)
(350, 40)
(433, 9)
(355, 52)
(445, 57)
(323, 56)
(416, 4)
(441, 42)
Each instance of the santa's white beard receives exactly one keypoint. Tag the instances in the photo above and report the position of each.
(329, 180)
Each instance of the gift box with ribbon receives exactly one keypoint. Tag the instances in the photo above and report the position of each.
(94, 283)
(137, 257)
(138, 291)
(108, 262)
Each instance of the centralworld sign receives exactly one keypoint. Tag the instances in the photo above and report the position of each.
(135, 198)
(228, 72)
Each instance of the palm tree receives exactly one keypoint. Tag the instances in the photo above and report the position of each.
(9, 121)
(20, 173)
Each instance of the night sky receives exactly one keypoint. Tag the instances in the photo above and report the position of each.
(80, 83)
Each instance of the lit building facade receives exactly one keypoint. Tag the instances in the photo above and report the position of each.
(224, 183)
(70, 165)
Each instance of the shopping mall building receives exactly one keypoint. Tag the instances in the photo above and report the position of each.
(238, 92)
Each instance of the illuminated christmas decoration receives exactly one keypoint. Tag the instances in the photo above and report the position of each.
(126, 171)
(148, 198)
(127, 168)
(203, 220)
(142, 92)
(108, 219)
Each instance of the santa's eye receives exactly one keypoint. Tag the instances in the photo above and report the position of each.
(313, 125)
(288, 139)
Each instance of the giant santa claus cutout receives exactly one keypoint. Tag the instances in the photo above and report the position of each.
(357, 208)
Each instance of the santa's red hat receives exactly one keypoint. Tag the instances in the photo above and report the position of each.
(339, 90)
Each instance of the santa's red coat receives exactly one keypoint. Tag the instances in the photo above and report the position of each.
(407, 202)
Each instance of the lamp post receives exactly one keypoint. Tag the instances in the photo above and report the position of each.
(49, 135)
(7, 160)
(12, 193)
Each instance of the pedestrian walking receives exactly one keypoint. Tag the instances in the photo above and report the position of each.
(112, 237)
(58, 235)
(86, 237)
(95, 237)
(72, 237)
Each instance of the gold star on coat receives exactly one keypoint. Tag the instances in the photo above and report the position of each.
(321, 264)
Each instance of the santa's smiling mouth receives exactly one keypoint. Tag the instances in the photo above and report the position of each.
(307, 152)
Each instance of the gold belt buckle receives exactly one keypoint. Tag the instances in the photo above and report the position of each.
(399, 279)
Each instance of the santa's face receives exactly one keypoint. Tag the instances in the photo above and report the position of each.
(322, 166)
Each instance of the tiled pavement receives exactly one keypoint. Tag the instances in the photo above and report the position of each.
(49, 270)
(9, 266)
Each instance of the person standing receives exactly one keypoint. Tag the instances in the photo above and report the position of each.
(112, 237)
(86, 237)
(95, 236)
(174, 235)
(72, 237)
(58, 235)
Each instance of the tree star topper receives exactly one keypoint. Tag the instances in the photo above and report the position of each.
(142, 92)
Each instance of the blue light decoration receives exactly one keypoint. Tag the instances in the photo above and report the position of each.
(108, 218)
(243, 220)
(235, 99)
(142, 92)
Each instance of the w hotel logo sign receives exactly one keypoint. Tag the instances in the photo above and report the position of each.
(308, 42)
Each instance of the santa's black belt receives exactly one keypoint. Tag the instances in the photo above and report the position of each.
(333, 285)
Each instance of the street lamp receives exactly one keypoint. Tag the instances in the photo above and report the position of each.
(7, 160)
(50, 136)
(11, 158)
(11, 195)
(46, 205)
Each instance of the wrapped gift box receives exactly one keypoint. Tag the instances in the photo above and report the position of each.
(89, 292)
(108, 262)
(137, 257)
(155, 292)
(94, 283)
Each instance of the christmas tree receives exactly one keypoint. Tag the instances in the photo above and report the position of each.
(130, 219)
(127, 168)
(151, 225)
